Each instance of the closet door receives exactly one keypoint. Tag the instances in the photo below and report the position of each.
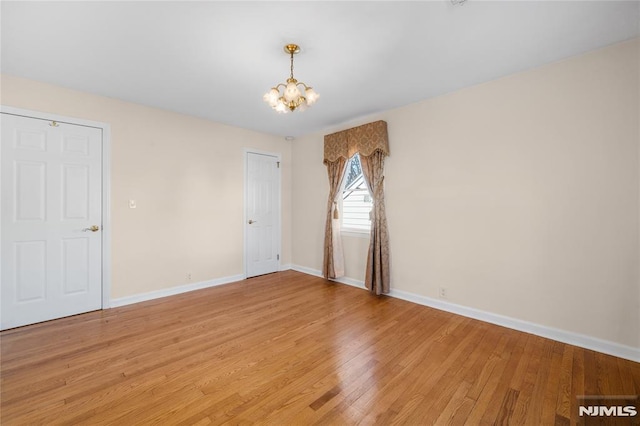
(51, 220)
(262, 211)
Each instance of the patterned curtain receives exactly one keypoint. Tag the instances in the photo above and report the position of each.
(363, 139)
(371, 141)
(377, 276)
(333, 263)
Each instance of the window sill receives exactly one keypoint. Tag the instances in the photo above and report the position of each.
(357, 233)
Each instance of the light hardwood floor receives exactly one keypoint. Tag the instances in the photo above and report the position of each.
(288, 348)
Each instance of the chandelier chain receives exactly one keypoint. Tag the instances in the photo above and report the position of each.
(292, 65)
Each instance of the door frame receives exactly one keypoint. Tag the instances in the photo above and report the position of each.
(245, 250)
(106, 184)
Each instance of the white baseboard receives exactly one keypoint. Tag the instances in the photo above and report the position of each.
(172, 291)
(285, 267)
(576, 339)
(344, 280)
(307, 271)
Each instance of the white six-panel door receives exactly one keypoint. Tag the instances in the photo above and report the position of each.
(50, 220)
(262, 211)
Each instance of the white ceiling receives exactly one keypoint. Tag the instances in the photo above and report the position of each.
(216, 59)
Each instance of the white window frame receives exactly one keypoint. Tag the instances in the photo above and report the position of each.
(345, 230)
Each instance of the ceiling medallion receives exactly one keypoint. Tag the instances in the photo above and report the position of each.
(291, 97)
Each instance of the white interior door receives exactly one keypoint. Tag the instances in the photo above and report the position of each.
(51, 220)
(262, 226)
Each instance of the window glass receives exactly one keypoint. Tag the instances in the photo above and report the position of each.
(356, 202)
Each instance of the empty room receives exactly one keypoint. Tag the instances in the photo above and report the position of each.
(320, 213)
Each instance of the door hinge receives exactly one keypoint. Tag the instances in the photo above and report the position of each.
(277, 257)
(278, 163)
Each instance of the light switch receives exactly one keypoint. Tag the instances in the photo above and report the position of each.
(132, 204)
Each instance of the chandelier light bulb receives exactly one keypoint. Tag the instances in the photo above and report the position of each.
(281, 107)
(312, 96)
(271, 97)
(293, 94)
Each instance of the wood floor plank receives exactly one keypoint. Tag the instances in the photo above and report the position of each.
(503, 396)
(289, 348)
(483, 411)
(460, 400)
(552, 387)
(577, 383)
(563, 400)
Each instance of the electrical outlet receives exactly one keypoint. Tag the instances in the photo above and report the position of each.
(442, 292)
(188, 276)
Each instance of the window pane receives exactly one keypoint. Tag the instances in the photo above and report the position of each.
(356, 200)
(354, 170)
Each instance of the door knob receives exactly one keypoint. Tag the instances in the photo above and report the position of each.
(252, 221)
(94, 228)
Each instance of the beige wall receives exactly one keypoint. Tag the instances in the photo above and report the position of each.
(186, 175)
(520, 196)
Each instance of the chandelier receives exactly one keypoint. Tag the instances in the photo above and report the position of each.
(292, 97)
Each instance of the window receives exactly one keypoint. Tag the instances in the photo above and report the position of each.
(356, 202)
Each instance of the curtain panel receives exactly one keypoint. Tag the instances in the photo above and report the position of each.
(377, 276)
(333, 263)
(371, 141)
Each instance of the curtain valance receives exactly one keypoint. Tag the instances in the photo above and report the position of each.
(365, 140)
